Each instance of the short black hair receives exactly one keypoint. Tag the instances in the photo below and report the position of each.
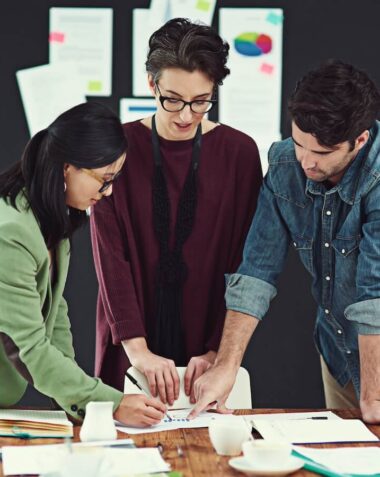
(179, 43)
(88, 135)
(335, 103)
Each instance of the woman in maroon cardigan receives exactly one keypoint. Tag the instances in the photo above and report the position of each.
(176, 222)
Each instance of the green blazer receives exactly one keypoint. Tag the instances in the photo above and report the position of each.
(35, 338)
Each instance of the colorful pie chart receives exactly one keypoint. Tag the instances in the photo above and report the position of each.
(253, 44)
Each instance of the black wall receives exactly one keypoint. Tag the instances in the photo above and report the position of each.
(281, 357)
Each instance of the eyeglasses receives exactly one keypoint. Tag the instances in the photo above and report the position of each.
(106, 184)
(174, 105)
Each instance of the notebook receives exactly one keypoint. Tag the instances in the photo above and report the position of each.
(33, 424)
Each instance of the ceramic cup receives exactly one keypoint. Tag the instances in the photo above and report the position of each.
(98, 424)
(228, 434)
(266, 453)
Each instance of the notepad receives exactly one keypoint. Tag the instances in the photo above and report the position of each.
(33, 424)
(308, 431)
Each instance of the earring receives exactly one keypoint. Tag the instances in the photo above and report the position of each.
(64, 187)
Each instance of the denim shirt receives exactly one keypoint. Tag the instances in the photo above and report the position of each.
(336, 233)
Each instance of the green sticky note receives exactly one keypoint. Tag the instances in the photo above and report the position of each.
(203, 5)
(94, 85)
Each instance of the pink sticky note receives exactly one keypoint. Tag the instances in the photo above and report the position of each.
(266, 68)
(56, 36)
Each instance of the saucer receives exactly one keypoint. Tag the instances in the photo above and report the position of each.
(291, 465)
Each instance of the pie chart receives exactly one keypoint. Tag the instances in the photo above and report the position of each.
(253, 44)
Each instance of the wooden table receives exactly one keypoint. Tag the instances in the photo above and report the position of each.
(199, 459)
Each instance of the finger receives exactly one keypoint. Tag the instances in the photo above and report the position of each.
(151, 377)
(197, 373)
(153, 413)
(161, 386)
(201, 405)
(148, 421)
(188, 378)
(169, 386)
(156, 404)
(176, 381)
(222, 409)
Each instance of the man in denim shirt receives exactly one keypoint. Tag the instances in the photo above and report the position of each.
(321, 195)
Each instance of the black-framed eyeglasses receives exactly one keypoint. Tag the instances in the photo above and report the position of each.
(174, 105)
(106, 184)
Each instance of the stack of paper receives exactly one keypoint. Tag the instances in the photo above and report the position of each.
(20, 423)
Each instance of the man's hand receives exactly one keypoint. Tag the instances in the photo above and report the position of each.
(138, 410)
(160, 372)
(369, 348)
(213, 387)
(196, 367)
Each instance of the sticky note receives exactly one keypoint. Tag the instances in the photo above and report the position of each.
(266, 68)
(56, 36)
(94, 86)
(275, 18)
(203, 5)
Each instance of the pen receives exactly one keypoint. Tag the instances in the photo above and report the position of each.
(318, 418)
(135, 382)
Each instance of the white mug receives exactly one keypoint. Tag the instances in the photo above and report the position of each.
(228, 434)
(266, 453)
(98, 423)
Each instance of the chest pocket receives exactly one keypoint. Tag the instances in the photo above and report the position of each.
(304, 248)
(345, 247)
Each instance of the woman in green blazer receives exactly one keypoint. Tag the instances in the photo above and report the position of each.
(64, 170)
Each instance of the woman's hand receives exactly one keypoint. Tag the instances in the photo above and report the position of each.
(196, 367)
(160, 372)
(138, 410)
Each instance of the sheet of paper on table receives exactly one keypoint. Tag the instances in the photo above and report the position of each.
(51, 458)
(289, 416)
(346, 460)
(307, 431)
(179, 421)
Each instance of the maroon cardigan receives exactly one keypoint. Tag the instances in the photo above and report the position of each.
(126, 250)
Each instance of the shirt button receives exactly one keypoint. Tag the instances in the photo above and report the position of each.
(74, 407)
(343, 250)
(348, 352)
(294, 243)
(328, 278)
(339, 332)
(81, 412)
(327, 245)
(327, 311)
(328, 212)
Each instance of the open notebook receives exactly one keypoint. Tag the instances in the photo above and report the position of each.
(30, 424)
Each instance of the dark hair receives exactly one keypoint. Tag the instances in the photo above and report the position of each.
(335, 103)
(189, 46)
(89, 135)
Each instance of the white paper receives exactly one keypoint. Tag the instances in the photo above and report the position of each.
(346, 460)
(307, 431)
(51, 417)
(179, 421)
(195, 10)
(133, 109)
(84, 36)
(51, 458)
(47, 91)
(159, 13)
(250, 98)
(288, 416)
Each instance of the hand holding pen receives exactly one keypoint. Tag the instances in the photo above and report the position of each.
(136, 383)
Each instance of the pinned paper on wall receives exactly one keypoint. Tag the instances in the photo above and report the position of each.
(84, 36)
(133, 109)
(250, 98)
(47, 91)
(196, 10)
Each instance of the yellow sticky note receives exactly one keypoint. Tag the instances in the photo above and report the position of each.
(203, 5)
(94, 86)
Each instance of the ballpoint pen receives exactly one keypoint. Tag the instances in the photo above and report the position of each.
(136, 383)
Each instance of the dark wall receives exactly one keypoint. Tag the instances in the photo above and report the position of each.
(281, 357)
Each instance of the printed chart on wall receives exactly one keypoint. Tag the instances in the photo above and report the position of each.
(250, 98)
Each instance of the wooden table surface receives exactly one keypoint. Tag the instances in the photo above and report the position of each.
(199, 459)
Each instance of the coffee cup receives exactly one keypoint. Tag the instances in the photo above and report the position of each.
(266, 453)
(228, 434)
